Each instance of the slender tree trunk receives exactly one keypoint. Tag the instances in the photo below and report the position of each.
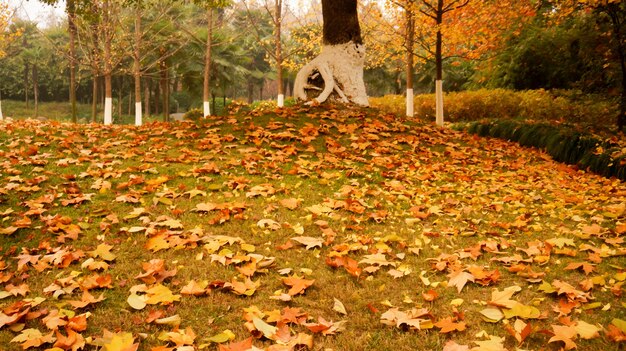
(278, 11)
(108, 91)
(94, 100)
(613, 10)
(410, 38)
(137, 67)
(26, 83)
(157, 97)
(163, 70)
(147, 95)
(1, 116)
(439, 65)
(36, 90)
(119, 96)
(207, 64)
(71, 22)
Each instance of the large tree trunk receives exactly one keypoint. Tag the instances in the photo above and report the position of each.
(341, 62)
(108, 93)
(71, 22)
(137, 67)
(278, 12)
(207, 65)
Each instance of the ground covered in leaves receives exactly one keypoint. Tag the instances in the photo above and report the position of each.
(302, 229)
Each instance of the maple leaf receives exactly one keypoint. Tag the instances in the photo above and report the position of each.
(33, 338)
(502, 298)
(160, 294)
(449, 324)
(520, 330)
(73, 341)
(194, 288)
(297, 285)
(104, 252)
(247, 287)
(290, 203)
(308, 241)
(377, 259)
(86, 300)
(453, 346)
(120, 341)
(494, 343)
(459, 279)
(180, 337)
(584, 266)
(325, 327)
(244, 345)
(565, 334)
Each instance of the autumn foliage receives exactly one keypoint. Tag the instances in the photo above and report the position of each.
(301, 228)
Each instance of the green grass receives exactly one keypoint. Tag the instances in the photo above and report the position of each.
(441, 196)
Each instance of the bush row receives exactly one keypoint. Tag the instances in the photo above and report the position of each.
(568, 145)
(542, 105)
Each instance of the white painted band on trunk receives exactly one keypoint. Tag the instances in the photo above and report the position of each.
(108, 111)
(207, 109)
(410, 111)
(1, 116)
(439, 101)
(281, 100)
(138, 115)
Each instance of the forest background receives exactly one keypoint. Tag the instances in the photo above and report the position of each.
(572, 48)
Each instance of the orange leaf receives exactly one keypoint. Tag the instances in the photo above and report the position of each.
(448, 325)
(298, 285)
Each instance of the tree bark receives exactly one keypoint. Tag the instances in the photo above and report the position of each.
(137, 67)
(207, 64)
(26, 85)
(613, 11)
(36, 90)
(439, 65)
(108, 93)
(278, 11)
(410, 38)
(341, 62)
(71, 23)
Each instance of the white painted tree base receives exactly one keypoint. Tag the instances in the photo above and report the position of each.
(439, 102)
(108, 111)
(138, 115)
(341, 68)
(410, 109)
(281, 100)
(1, 116)
(207, 109)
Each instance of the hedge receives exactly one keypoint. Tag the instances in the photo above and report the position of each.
(564, 144)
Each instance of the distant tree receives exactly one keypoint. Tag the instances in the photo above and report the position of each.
(612, 12)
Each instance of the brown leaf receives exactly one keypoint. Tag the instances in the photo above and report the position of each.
(297, 285)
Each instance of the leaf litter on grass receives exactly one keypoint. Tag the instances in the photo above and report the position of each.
(342, 224)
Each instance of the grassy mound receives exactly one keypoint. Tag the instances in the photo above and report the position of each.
(302, 228)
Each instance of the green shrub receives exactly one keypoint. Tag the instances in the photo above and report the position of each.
(194, 114)
(540, 105)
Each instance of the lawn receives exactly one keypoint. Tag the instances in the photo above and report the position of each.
(302, 228)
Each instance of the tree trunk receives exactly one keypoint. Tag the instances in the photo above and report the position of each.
(614, 12)
(439, 66)
(278, 12)
(163, 70)
(94, 100)
(341, 62)
(36, 90)
(147, 95)
(137, 67)
(71, 22)
(207, 64)
(108, 93)
(26, 81)
(410, 38)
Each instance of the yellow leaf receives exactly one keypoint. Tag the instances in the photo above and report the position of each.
(161, 294)
(121, 342)
(222, 337)
(137, 302)
(587, 331)
(339, 307)
(492, 315)
(268, 331)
